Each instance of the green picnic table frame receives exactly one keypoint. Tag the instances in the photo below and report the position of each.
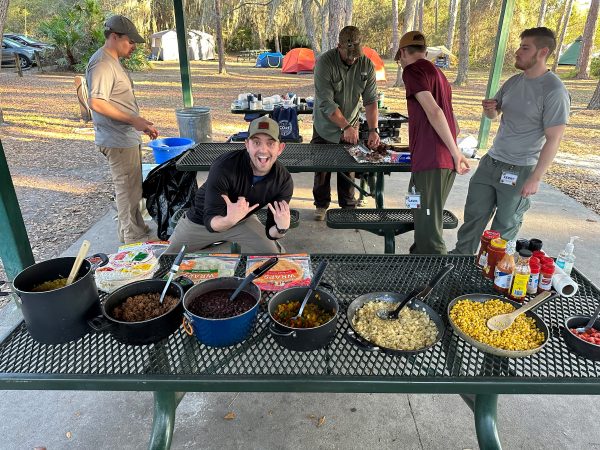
(181, 364)
(304, 158)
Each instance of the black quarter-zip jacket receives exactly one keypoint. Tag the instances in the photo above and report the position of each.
(231, 174)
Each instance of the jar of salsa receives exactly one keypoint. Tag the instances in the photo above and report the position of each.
(486, 238)
(495, 252)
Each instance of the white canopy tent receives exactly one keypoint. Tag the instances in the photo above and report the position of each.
(200, 45)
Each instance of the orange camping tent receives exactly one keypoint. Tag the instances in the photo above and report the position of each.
(299, 60)
(377, 61)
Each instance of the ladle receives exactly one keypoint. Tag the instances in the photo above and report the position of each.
(260, 270)
(421, 293)
(83, 250)
(313, 285)
(502, 321)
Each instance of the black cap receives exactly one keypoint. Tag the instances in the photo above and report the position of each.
(525, 253)
(122, 25)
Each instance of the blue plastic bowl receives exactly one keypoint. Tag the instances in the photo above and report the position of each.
(222, 332)
(167, 148)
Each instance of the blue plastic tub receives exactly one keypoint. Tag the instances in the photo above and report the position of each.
(167, 148)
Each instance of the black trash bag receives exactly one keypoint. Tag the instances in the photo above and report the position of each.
(169, 193)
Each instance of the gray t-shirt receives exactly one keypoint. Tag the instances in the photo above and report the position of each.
(528, 107)
(108, 80)
(338, 85)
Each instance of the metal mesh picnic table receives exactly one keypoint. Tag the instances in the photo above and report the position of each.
(181, 364)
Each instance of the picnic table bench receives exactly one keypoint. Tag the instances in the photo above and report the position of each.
(181, 364)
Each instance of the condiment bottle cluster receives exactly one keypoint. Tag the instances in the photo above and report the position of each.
(520, 268)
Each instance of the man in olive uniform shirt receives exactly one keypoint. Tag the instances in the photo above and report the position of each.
(342, 76)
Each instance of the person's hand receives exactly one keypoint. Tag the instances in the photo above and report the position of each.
(350, 135)
(530, 187)
(489, 104)
(238, 210)
(461, 164)
(281, 214)
(141, 124)
(374, 140)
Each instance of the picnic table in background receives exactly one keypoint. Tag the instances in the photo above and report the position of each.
(249, 55)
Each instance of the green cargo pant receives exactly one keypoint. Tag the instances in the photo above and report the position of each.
(486, 196)
(434, 187)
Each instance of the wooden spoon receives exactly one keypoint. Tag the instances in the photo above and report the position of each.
(503, 321)
(85, 247)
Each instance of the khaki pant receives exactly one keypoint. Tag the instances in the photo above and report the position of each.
(126, 171)
(249, 234)
(488, 197)
(434, 187)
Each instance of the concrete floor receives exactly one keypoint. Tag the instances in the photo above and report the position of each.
(122, 420)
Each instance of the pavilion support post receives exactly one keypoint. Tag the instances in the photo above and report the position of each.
(184, 64)
(506, 14)
(15, 250)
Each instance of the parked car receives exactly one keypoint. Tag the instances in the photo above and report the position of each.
(27, 41)
(10, 48)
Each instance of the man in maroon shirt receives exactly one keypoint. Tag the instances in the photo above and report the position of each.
(432, 130)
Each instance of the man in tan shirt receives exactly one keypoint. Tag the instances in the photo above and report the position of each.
(117, 123)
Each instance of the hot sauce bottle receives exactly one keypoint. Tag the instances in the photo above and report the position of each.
(503, 274)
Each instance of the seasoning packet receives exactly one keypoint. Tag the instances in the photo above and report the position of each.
(200, 267)
(291, 270)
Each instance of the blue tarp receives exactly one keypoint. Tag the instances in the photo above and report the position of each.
(269, 59)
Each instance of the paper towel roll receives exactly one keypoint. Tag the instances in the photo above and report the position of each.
(563, 283)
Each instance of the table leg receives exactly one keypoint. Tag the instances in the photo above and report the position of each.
(165, 404)
(379, 186)
(390, 243)
(485, 421)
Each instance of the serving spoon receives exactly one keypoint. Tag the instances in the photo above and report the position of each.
(313, 285)
(260, 270)
(83, 250)
(422, 292)
(591, 322)
(502, 321)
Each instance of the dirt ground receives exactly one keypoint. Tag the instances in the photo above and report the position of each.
(63, 184)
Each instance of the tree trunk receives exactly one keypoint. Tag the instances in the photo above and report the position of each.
(595, 101)
(588, 41)
(407, 22)
(324, 24)
(277, 47)
(420, 16)
(337, 14)
(309, 24)
(219, 30)
(452, 9)
(540, 22)
(565, 22)
(435, 13)
(3, 12)
(395, 36)
(349, 6)
(463, 49)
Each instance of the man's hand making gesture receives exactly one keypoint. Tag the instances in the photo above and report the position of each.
(238, 210)
(281, 214)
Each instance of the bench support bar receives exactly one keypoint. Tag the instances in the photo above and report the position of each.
(165, 404)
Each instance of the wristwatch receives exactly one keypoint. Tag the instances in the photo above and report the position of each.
(376, 130)
(281, 230)
(346, 127)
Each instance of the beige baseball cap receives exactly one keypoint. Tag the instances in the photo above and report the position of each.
(122, 25)
(264, 125)
(412, 38)
(349, 39)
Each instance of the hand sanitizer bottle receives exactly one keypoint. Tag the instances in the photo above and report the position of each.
(566, 258)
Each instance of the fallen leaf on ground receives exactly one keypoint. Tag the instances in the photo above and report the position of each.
(69, 435)
(229, 416)
(321, 421)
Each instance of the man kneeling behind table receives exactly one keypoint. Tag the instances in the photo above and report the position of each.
(239, 183)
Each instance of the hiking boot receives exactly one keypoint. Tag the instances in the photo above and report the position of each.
(320, 214)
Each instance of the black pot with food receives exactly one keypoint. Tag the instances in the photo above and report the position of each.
(133, 315)
(55, 313)
(579, 345)
(323, 309)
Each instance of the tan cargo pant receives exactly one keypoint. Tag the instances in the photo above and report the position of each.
(126, 171)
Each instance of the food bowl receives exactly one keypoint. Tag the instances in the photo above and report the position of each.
(221, 332)
(577, 345)
(145, 331)
(303, 339)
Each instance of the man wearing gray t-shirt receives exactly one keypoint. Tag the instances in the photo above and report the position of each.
(116, 118)
(535, 110)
